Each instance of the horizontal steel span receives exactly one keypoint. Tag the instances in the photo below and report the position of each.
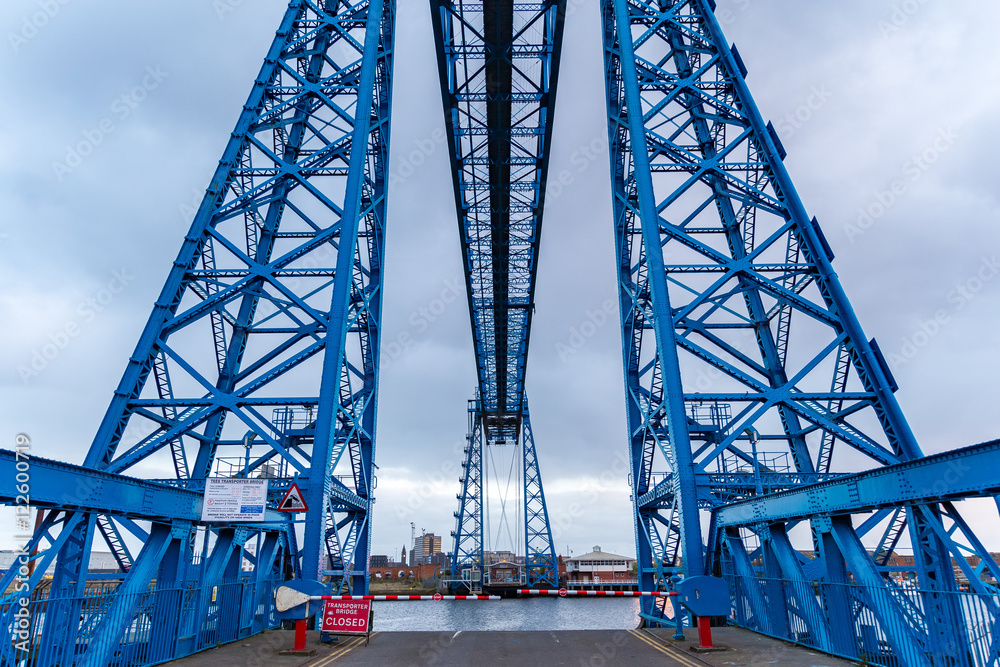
(731, 486)
(71, 487)
(498, 63)
(963, 473)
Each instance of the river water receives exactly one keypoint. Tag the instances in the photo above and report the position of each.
(509, 614)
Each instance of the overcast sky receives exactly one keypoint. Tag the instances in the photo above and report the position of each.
(869, 96)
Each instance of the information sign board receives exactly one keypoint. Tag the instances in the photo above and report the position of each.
(234, 499)
(347, 617)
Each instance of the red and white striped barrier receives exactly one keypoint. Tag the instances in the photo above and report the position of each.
(562, 592)
(401, 598)
(286, 598)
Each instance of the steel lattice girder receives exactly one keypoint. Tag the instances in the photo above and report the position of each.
(68, 487)
(919, 490)
(714, 368)
(166, 557)
(721, 489)
(278, 284)
(540, 561)
(954, 475)
(262, 273)
(468, 552)
(499, 64)
(279, 280)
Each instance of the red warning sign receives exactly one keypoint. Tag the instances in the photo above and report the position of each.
(293, 501)
(347, 617)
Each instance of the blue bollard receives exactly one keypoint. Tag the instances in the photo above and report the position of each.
(678, 616)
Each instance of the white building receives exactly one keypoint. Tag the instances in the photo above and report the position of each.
(599, 568)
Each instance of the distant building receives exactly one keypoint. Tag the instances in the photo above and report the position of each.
(397, 572)
(502, 557)
(506, 572)
(379, 561)
(103, 562)
(599, 567)
(424, 548)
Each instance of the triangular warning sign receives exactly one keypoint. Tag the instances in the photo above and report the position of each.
(293, 501)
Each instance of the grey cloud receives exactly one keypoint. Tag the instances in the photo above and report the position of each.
(122, 204)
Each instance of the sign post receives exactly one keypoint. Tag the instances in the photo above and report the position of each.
(293, 601)
(348, 617)
(300, 636)
(293, 500)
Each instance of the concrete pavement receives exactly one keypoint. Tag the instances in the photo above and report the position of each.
(575, 648)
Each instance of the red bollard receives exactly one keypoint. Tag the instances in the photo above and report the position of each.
(705, 632)
(300, 635)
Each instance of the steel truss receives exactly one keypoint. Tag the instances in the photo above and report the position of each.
(277, 289)
(469, 561)
(734, 415)
(724, 396)
(499, 62)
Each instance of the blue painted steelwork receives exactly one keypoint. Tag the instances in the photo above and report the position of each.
(70, 487)
(468, 557)
(862, 637)
(159, 621)
(732, 412)
(540, 562)
(278, 285)
(719, 384)
(498, 62)
(970, 472)
(925, 487)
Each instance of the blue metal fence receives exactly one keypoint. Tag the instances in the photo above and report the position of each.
(158, 625)
(802, 612)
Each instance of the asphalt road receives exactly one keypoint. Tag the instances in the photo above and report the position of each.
(548, 648)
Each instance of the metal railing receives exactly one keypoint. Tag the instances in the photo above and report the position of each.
(572, 583)
(796, 611)
(142, 628)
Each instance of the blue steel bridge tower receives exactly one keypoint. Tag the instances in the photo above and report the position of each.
(753, 396)
(259, 360)
(751, 389)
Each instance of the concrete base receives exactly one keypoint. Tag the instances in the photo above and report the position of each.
(308, 653)
(707, 649)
